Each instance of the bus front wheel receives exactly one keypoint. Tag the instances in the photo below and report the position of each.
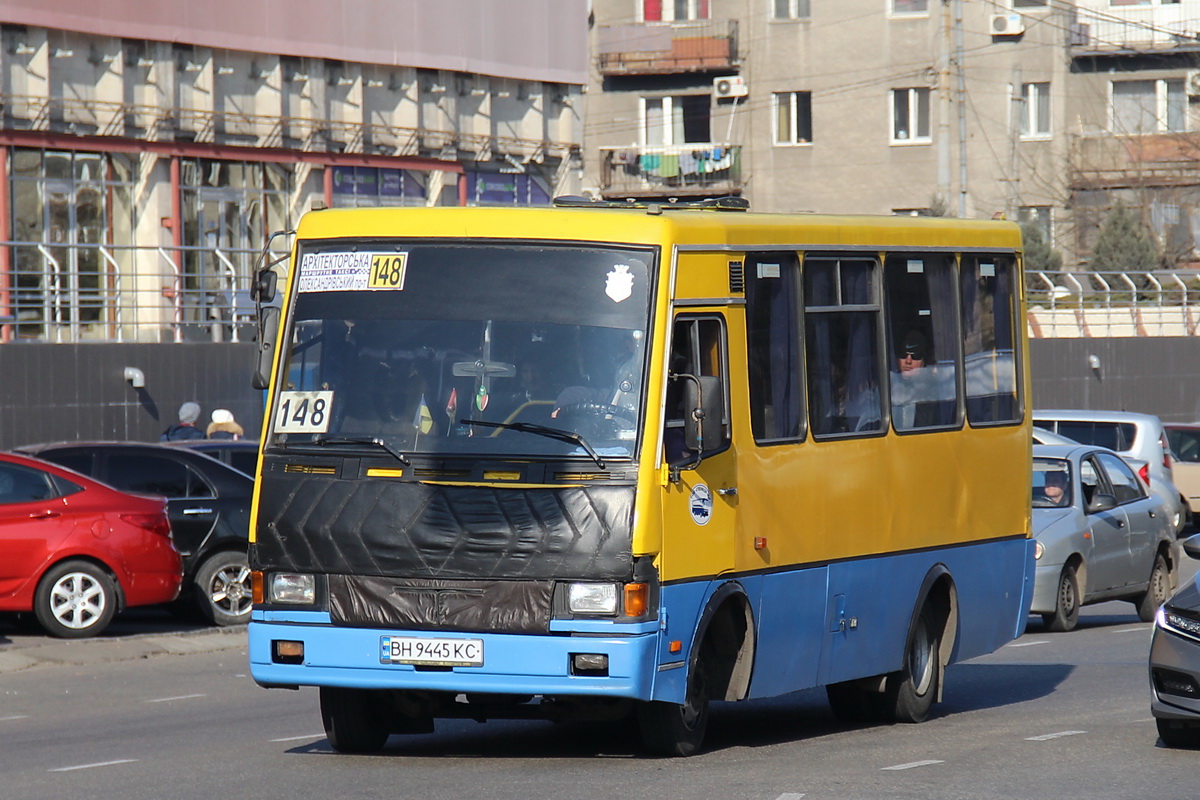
(677, 730)
(353, 720)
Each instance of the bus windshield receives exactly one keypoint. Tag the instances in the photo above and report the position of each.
(425, 347)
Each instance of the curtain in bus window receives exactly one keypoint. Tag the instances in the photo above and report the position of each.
(989, 351)
(843, 387)
(773, 344)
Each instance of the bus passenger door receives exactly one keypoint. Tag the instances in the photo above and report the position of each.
(701, 497)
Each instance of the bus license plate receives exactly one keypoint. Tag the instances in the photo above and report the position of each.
(433, 652)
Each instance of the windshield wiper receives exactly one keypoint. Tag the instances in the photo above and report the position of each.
(327, 440)
(541, 430)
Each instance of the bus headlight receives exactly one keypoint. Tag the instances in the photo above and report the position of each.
(592, 598)
(286, 587)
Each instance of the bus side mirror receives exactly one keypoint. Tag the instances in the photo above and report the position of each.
(262, 288)
(702, 423)
(268, 339)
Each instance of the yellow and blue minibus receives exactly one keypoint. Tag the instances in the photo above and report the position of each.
(609, 460)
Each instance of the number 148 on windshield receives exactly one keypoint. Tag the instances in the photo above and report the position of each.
(303, 412)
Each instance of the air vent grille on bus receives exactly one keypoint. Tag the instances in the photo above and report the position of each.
(581, 476)
(309, 469)
(457, 474)
(737, 277)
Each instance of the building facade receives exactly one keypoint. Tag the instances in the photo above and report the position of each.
(149, 151)
(1040, 110)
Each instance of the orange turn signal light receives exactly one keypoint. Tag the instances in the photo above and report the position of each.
(258, 592)
(760, 543)
(675, 646)
(637, 599)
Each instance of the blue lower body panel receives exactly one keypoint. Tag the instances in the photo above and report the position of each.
(512, 664)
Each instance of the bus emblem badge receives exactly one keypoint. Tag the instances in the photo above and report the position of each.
(700, 504)
(619, 283)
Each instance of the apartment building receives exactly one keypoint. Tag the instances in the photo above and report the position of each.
(148, 151)
(1038, 110)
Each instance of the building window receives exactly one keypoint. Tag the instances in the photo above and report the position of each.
(674, 10)
(1039, 216)
(790, 9)
(910, 6)
(1035, 110)
(1030, 3)
(670, 121)
(1148, 106)
(910, 116)
(793, 117)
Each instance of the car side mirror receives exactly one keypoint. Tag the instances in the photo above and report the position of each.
(1191, 546)
(1101, 502)
(268, 339)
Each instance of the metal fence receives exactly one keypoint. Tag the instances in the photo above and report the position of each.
(79, 292)
(1113, 304)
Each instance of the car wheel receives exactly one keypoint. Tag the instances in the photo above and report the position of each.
(1066, 610)
(1156, 592)
(75, 599)
(909, 693)
(354, 720)
(223, 590)
(1178, 734)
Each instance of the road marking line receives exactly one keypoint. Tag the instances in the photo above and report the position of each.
(914, 764)
(1029, 644)
(306, 736)
(180, 697)
(789, 796)
(1045, 737)
(14, 716)
(98, 764)
(1140, 629)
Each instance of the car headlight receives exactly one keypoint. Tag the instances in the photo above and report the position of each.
(592, 598)
(1179, 623)
(1039, 550)
(286, 587)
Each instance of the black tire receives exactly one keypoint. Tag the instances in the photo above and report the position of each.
(75, 599)
(1178, 734)
(1066, 603)
(222, 590)
(909, 693)
(354, 720)
(678, 730)
(853, 704)
(1157, 592)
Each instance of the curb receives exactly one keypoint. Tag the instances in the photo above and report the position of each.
(86, 652)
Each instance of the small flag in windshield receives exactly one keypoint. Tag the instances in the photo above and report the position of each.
(481, 397)
(423, 420)
(452, 405)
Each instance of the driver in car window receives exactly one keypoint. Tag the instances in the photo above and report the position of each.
(1055, 488)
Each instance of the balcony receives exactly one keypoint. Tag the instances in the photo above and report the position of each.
(1102, 159)
(689, 170)
(668, 48)
(1098, 28)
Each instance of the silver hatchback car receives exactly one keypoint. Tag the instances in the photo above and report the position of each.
(1101, 535)
(1175, 663)
(1129, 434)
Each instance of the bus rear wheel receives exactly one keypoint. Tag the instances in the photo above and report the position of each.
(353, 719)
(910, 692)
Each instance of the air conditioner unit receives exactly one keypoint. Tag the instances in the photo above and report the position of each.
(1012, 24)
(732, 86)
(1192, 83)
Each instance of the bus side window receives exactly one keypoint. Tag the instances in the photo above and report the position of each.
(990, 336)
(842, 346)
(773, 346)
(923, 328)
(697, 349)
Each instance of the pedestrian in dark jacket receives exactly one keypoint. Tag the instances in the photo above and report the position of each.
(186, 428)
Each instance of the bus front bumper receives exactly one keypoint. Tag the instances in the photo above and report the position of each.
(512, 663)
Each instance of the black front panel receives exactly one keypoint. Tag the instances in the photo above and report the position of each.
(412, 530)
(495, 606)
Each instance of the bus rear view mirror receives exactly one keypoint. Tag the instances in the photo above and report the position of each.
(702, 423)
(262, 289)
(268, 338)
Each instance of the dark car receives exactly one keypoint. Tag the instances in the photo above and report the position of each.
(241, 454)
(1175, 663)
(75, 552)
(209, 504)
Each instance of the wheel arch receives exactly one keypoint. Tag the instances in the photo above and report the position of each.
(728, 624)
(99, 563)
(938, 591)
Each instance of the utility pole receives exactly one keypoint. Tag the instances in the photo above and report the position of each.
(1017, 114)
(944, 107)
(962, 109)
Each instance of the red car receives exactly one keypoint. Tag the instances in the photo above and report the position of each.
(75, 552)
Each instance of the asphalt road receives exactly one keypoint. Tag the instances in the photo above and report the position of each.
(169, 714)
